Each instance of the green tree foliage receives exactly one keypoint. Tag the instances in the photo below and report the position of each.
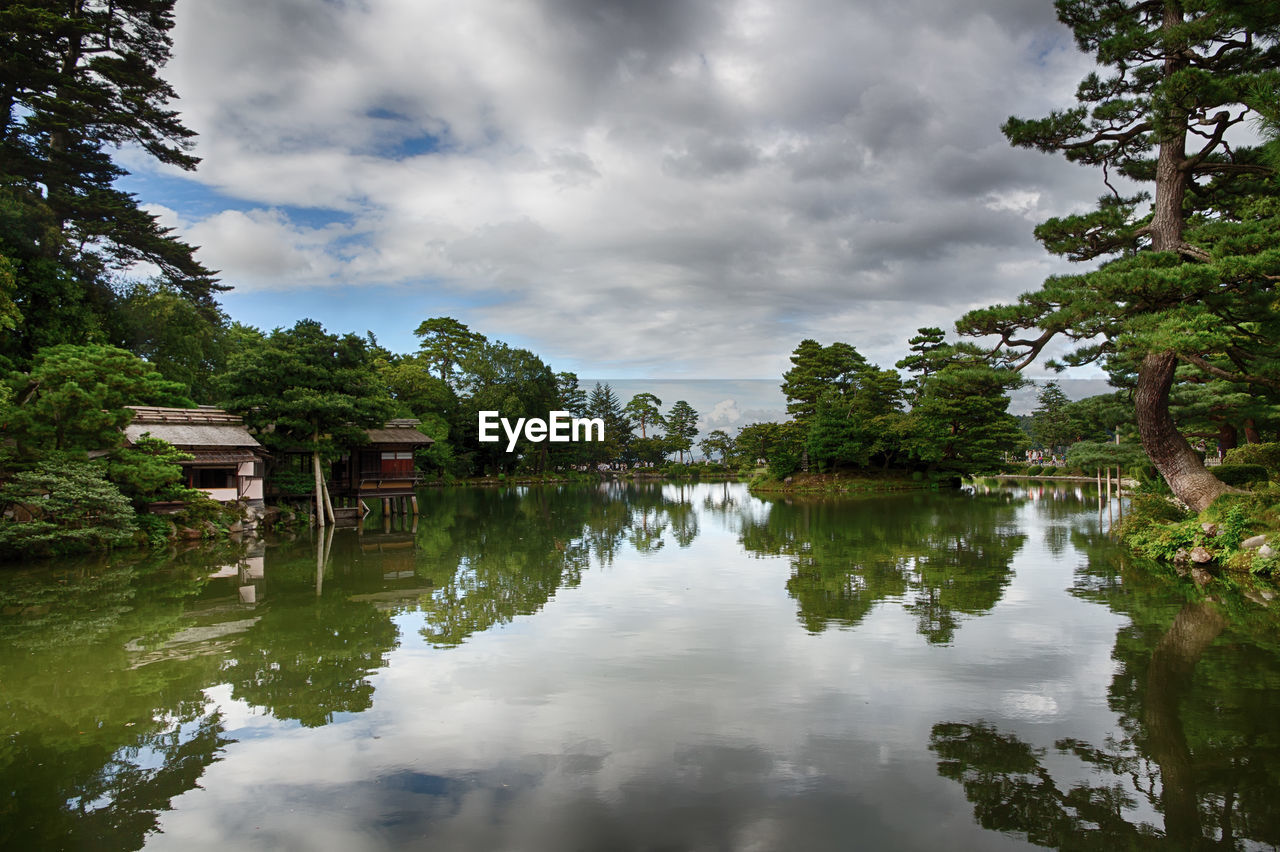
(1101, 417)
(603, 403)
(150, 469)
(569, 394)
(1267, 455)
(10, 316)
(305, 390)
(929, 353)
(719, 443)
(1215, 410)
(961, 419)
(815, 369)
(682, 426)
(1091, 455)
(417, 393)
(1051, 425)
(185, 342)
(516, 384)
(833, 435)
(857, 420)
(62, 507)
(757, 441)
(1189, 277)
(78, 78)
(644, 410)
(428, 398)
(74, 397)
(446, 344)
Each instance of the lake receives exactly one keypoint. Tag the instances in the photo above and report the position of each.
(648, 667)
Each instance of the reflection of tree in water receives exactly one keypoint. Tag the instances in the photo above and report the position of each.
(91, 759)
(1197, 687)
(492, 555)
(944, 555)
(309, 660)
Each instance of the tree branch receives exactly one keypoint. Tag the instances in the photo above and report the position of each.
(1193, 252)
(1222, 121)
(1242, 378)
(1108, 136)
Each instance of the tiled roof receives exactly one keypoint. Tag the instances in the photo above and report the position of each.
(189, 427)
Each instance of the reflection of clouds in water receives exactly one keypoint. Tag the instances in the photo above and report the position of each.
(671, 699)
(1028, 705)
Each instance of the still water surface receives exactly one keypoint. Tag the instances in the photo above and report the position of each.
(644, 667)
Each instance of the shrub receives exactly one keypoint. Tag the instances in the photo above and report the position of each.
(71, 507)
(147, 471)
(1157, 526)
(1240, 474)
(1163, 541)
(157, 530)
(783, 463)
(1034, 470)
(1267, 455)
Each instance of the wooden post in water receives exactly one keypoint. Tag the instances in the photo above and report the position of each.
(319, 477)
(319, 561)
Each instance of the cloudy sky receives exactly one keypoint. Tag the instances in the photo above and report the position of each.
(647, 189)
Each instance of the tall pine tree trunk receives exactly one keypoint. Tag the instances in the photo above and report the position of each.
(1180, 465)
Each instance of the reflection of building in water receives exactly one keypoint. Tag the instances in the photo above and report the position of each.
(247, 573)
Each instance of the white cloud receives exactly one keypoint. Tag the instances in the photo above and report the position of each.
(673, 187)
(725, 413)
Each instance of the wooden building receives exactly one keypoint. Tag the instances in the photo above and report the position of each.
(382, 468)
(227, 460)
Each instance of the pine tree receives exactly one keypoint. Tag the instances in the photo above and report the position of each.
(79, 78)
(682, 426)
(1188, 277)
(445, 344)
(1050, 423)
(603, 403)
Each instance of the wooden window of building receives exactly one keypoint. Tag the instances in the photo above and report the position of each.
(213, 477)
(397, 463)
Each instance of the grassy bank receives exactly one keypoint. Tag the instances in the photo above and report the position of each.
(1238, 533)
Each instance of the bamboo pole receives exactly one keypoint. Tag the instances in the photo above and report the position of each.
(328, 504)
(315, 468)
